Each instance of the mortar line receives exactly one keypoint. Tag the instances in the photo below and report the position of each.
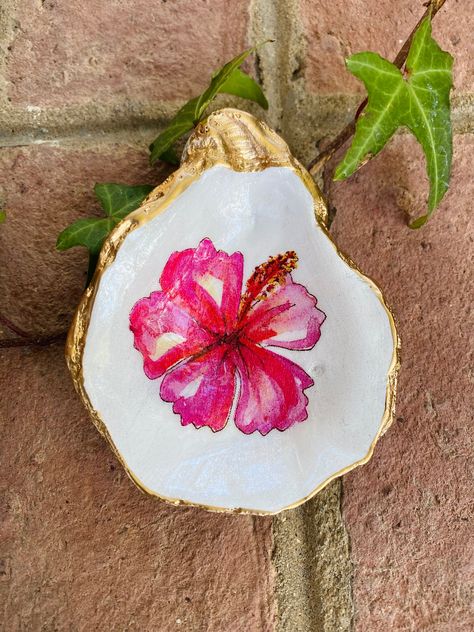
(264, 24)
(34, 134)
(302, 545)
(349, 552)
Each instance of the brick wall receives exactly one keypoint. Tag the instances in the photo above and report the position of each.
(84, 87)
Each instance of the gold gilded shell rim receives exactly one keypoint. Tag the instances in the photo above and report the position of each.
(238, 141)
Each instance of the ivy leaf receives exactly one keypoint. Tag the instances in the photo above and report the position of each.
(90, 232)
(229, 79)
(3, 216)
(179, 125)
(117, 200)
(218, 80)
(243, 85)
(419, 102)
(170, 156)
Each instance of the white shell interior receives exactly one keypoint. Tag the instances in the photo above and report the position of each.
(260, 214)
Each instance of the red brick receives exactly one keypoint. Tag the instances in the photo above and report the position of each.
(43, 189)
(84, 549)
(335, 29)
(408, 510)
(63, 53)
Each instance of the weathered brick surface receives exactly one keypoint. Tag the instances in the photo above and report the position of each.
(83, 549)
(334, 29)
(66, 53)
(43, 189)
(409, 511)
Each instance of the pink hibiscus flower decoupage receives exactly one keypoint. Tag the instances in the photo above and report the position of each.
(210, 341)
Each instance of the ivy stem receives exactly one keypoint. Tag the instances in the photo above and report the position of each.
(322, 158)
(33, 342)
(26, 339)
(6, 322)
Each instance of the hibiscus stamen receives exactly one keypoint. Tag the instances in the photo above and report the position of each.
(266, 278)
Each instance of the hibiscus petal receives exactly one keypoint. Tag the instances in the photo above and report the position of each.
(202, 389)
(271, 390)
(208, 282)
(165, 333)
(287, 318)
